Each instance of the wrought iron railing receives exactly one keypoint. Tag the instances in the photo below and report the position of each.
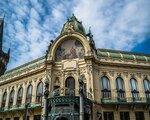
(20, 107)
(68, 92)
(127, 100)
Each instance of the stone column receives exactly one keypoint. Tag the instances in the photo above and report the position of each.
(116, 115)
(34, 92)
(113, 87)
(146, 115)
(15, 96)
(31, 117)
(1, 95)
(127, 88)
(24, 93)
(132, 115)
(7, 98)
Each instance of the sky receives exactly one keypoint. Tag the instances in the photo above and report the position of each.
(30, 25)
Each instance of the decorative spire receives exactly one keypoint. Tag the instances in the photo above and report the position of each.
(4, 57)
(1, 32)
(73, 25)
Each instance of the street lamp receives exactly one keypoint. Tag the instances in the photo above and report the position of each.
(81, 93)
(46, 94)
(26, 110)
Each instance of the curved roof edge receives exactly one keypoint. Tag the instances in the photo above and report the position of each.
(123, 55)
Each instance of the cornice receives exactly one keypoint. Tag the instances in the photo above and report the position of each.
(23, 70)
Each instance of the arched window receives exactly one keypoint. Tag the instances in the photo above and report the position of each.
(29, 94)
(11, 98)
(19, 96)
(147, 88)
(134, 90)
(39, 92)
(4, 99)
(106, 90)
(120, 87)
(70, 86)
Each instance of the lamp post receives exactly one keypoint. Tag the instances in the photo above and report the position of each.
(26, 111)
(46, 93)
(81, 93)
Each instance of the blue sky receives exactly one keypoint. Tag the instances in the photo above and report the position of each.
(115, 24)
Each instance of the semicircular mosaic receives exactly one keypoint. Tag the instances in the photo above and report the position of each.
(70, 49)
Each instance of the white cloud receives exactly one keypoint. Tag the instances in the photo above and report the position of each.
(116, 24)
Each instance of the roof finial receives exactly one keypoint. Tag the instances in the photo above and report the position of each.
(90, 33)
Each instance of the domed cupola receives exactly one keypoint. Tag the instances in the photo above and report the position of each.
(73, 25)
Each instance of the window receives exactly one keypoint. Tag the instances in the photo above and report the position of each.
(120, 88)
(124, 116)
(29, 94)
(147, 88)
(19, 96)
(108, 116)
(37, 117)
(16, 118)
(39, 92)
(4, 99)
(106, 92)
(70, 86)
(134, 90)
(139, 115)
(11, 98)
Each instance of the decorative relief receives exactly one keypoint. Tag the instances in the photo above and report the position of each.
(119, 74)
(82, 70)
(70, 49)
(111, 73)
(145, 76)
(132, 75)
(96, 71)
(139, 74)
(104, 73)
(125, 73)
(70, 64)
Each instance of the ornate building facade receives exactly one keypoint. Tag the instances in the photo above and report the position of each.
(115, 84)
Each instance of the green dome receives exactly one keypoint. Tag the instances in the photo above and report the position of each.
(72, 25)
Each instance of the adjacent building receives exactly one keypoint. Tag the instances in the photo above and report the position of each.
(116, 84)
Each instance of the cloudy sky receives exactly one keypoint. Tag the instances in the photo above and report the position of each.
(115, 24)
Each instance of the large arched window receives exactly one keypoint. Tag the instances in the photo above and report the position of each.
(147, 88)
(70, 86)
(19, 96)
(11, 98)
(106, 90)
(120, 87)
(4, 99)
(134, 89)
(29, 94)
(39, 92)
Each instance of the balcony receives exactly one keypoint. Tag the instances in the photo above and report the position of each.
(128, 100)
(20, 107)
(66, 96)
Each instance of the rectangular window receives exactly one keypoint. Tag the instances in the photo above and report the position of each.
(37, 117)
(139, 116)
(7, 118)
(16, 118)
(108, 115)
(124, 116)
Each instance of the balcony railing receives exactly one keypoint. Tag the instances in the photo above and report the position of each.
(68, 92)
(127, 100)
(20, 107)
